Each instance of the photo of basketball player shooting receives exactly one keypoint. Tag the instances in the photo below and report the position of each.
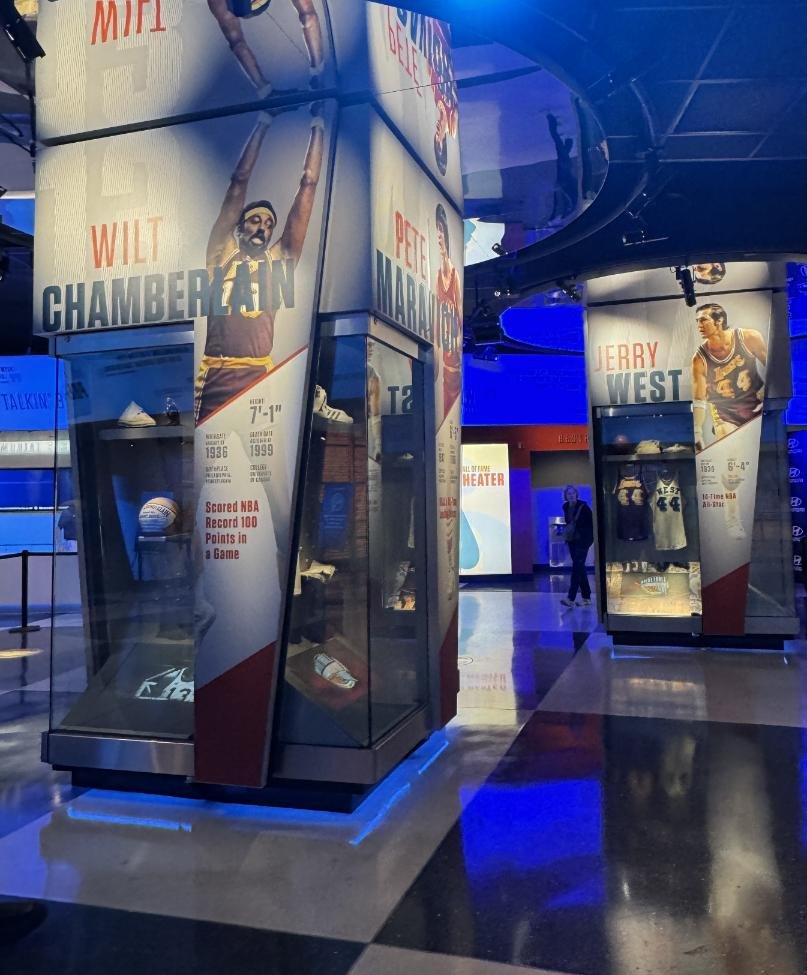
(727, 384)
(233, 30)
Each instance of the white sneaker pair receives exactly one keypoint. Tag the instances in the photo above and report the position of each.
(331, 413)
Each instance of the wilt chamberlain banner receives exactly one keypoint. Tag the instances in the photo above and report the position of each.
(216, 222)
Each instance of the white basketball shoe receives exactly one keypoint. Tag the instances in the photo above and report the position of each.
(331, 413)
(135, 416)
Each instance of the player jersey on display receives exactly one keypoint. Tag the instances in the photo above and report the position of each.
(631, 512)
(245, 333)
(733, 382)
(668, 516)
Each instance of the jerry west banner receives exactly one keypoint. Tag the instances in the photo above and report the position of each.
(721, 357)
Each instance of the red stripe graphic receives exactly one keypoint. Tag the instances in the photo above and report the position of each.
(231, 714)
(246, 389)
(449, 670)
(724, 603)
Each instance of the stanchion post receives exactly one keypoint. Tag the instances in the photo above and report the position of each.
(24, 627)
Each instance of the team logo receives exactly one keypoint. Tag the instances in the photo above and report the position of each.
(795, 473)
(796, 561)
(792, 443)
(654, 585)
(795, 502)
(798, 531)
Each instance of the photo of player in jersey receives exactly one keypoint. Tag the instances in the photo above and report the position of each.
(445, 95)
(708, 273)
(726, 381)
(233, 31)
(728, 386)
(238, 346)
(449, 301)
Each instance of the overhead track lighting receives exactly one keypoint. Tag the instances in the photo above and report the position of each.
(684, 277)
(19, 33)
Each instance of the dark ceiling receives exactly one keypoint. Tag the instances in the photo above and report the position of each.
(704, 109)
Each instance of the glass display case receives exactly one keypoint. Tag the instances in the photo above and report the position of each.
(771, 583)
(648, 503)
(354, 667)
(123, 666)
(355, 661)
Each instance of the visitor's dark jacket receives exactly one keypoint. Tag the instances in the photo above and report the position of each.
(584, 527)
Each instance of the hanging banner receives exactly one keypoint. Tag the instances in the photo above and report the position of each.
(221, 222)
(405, 264)
(646, 346)
(137, 61)
(403, 59)
(485, 510)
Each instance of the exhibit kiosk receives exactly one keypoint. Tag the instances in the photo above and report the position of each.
(259, 317)
(689, 445)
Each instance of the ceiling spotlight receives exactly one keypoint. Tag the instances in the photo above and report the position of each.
(684, 277)
(498, 249)
(5, 261)
(572, 291)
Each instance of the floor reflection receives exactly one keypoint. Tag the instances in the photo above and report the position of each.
(612, 845)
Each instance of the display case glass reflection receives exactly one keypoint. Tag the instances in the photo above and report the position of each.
(355, 666)
(124, 663)
(650, 515)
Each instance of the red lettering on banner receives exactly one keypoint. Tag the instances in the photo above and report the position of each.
(105, 240)
(107, 19)
(401, 48)
(110, 24)
(413, 243)
(611, 358)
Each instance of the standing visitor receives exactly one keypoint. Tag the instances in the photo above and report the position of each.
(579, 536)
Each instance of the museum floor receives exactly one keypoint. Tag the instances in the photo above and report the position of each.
(589, 811)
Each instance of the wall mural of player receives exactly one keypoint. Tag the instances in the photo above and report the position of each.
(449, 297)
(445, 96)
(238, 347)
(233, 30)
(727, 385)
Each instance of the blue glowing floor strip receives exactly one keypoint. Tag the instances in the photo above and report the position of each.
(377, 806)
(381, 815)
(99, 817)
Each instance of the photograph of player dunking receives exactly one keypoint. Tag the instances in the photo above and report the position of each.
(446, 102)
(233, 30)
(448, 291)
(238, 347)
(726, 382)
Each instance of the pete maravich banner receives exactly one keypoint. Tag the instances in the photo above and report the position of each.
(797, 455)
(646, 346)
(409, 238)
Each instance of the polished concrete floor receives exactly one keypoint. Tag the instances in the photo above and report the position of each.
(592, 810)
